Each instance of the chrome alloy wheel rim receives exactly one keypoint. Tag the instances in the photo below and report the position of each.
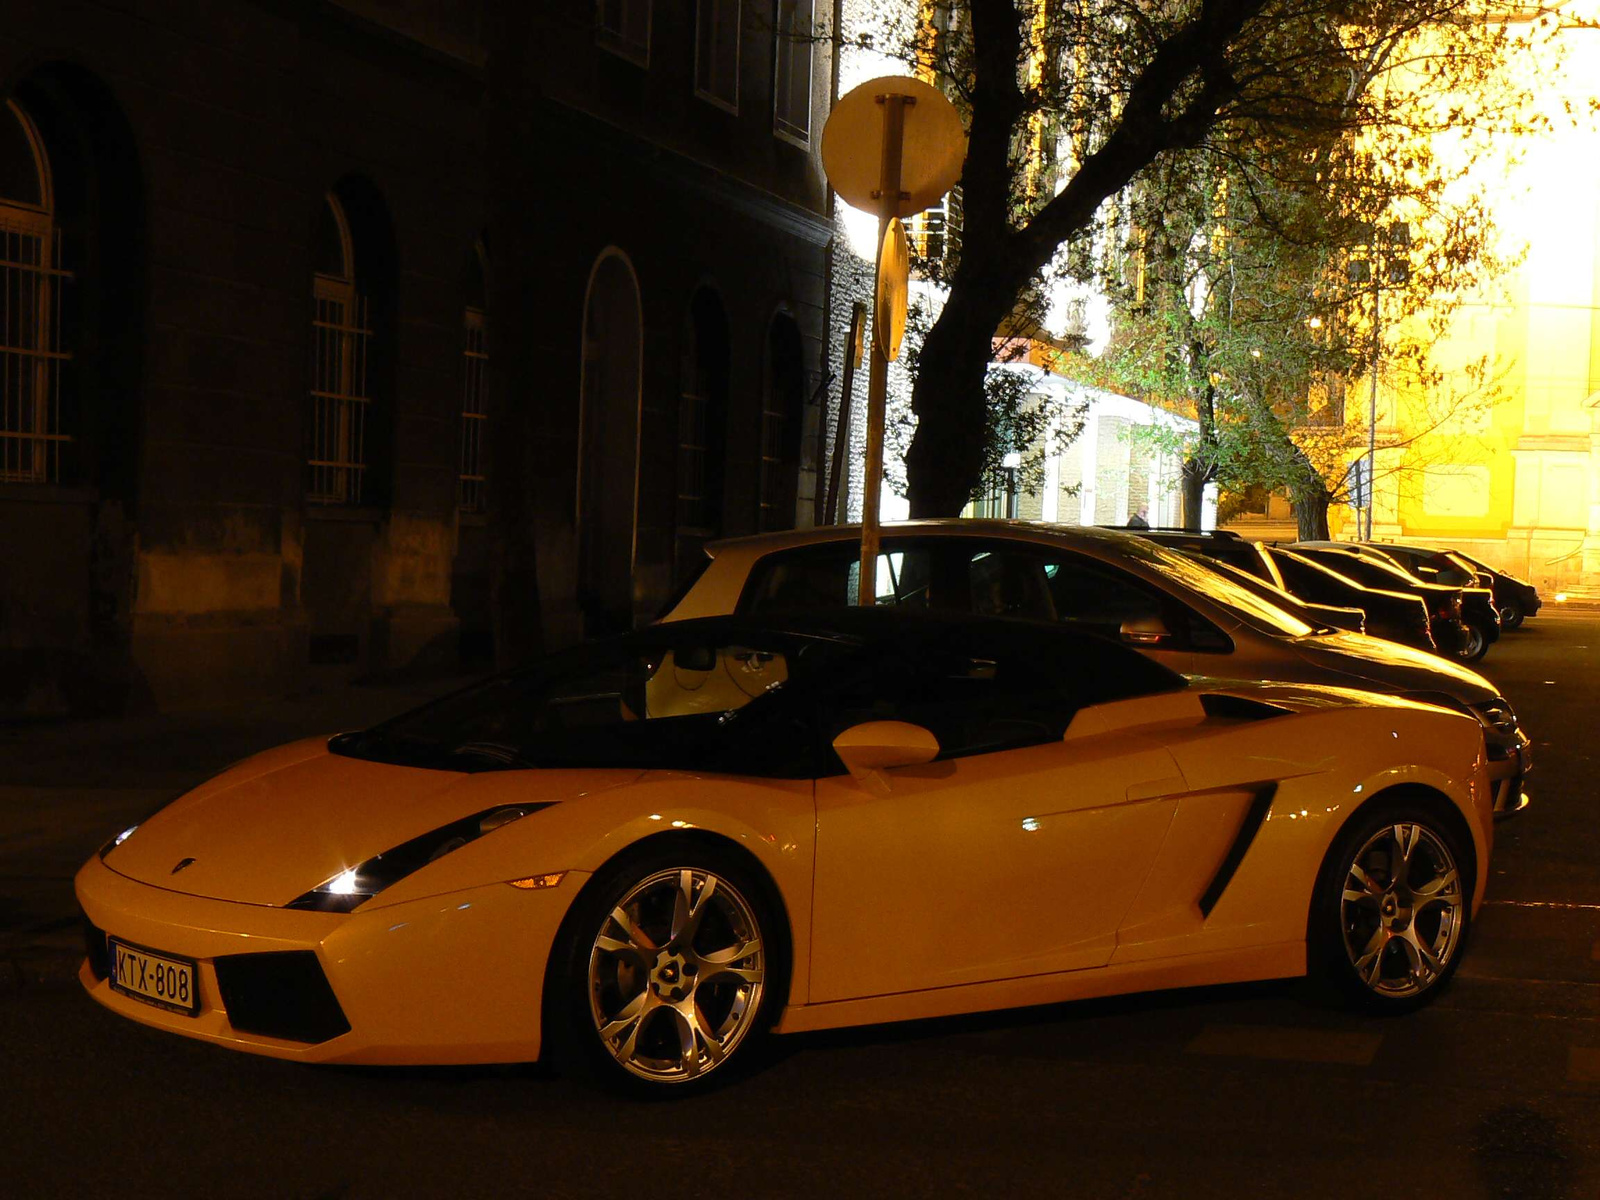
(1472, 644)
(676, 975)
(1401, 911)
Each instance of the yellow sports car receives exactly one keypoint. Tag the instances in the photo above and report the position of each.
(645, 855)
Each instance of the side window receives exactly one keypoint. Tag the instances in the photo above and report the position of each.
(975, 700)
(1098, 598)
(1006, 584)
(1306, 581)
(826, 577)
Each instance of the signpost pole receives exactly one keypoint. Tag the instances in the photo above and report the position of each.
(852, 360)
(1372, 401)
(888, 198)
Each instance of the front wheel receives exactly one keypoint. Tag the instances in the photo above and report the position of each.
(1390, 916)
(1511, 615)
(1474, 643)
(671, 967)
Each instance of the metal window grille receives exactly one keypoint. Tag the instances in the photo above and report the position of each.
(936, 233)
(339, 400)
(773, 422)
(791, 114)
(474, 412)
(623, 27)
(693, 450)
(31, 354)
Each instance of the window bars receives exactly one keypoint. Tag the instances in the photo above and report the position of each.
(936, 233)
(693, 446)
(773, 496)
(31, 353)
(339, 399)
(474, 412)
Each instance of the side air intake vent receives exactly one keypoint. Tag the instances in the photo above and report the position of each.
(1237, 708)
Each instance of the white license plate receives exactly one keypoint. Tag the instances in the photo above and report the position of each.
(158, 979)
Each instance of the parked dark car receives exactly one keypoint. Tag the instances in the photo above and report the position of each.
(1478, 609)
(1514, 599)
(1399, 617)
(1248, 563)
(1325, 617)
(1465, 622)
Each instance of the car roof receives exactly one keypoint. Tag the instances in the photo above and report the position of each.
(935, 526)
(893, 625)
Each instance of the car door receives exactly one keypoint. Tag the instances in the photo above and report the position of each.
(1014, 853)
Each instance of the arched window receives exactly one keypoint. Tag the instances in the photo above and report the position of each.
(608, 445)
(32, 355)
(702, 422)
(339, 396)
(782, 403)
(475, 366)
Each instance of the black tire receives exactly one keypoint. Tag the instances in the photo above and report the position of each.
(1512, 615)
(1344, 947)
(1474, 642)
(678, 985)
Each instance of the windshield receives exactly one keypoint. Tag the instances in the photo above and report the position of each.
(666, 701)
(1254, 607)
(1275, 596)
(1368, 571)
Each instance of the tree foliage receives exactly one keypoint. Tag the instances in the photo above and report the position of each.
(1233, 157)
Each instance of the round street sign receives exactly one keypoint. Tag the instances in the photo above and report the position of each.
(933, 147)
(894, 265)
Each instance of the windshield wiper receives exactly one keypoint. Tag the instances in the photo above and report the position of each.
(503, 756)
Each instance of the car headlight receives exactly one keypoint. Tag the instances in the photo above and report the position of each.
(356, 885)
(1497, 715)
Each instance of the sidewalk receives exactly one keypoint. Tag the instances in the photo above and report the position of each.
(66, 787)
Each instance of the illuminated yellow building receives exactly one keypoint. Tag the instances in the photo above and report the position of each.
(1518, 483)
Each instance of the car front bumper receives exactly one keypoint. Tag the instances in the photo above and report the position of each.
(455, 978)
(1508, 777)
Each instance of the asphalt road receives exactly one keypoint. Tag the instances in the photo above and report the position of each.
(1260, 1090)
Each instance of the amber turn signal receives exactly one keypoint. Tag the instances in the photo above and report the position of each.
(537, 882)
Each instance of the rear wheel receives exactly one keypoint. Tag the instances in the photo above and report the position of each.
(672, 969)
(1511, 615)
(1392, 908)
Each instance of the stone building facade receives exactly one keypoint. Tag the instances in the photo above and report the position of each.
(342, 338)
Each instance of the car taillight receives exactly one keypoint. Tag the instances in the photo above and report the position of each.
(1450, 608)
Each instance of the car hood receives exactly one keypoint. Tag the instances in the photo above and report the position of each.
(1298, 697)
(1393, 667)
(277, 825)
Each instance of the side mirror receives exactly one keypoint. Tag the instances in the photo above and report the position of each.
(873, 747)
(1145, 631)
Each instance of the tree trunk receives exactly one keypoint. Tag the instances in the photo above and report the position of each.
(945, 460)
(1310, 504)
(1309, 498)
(1192, 482)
